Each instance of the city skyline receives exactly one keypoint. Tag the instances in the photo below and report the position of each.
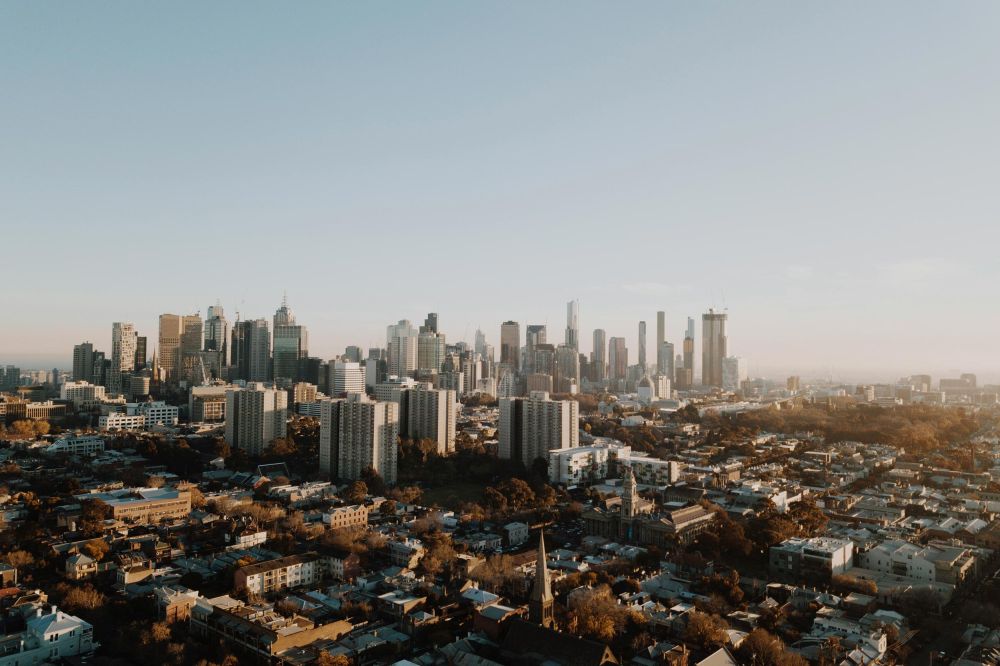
(840, 202)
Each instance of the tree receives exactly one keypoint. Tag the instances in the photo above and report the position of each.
(96, 549)
(761, 648)
(594, 613)
(706, 631)
(327, 659)
(19, 559)
(357, 492)
(93, 513)
(83, 598)
(373, 481)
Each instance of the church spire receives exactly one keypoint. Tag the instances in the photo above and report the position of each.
(540, 605)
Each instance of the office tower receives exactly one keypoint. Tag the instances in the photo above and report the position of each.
(538, 382)
(642, 347)
(452, 380)
(250, 352)
(661, 337)
(192, 337)
(401, 343)
(472, 369)
(793, 384)
(617, 359)
(312, 370)
(665, 365)
(217, 333)
(427, 413)
(346, 377)
(598, 357)
(535, 334)
(531, 427)
(357, 434)
(291, 345)
(430, 351)
(688, 348)
(353, 354)
(430, 323)
(573, 324)
(168, 345)
(713, 347)
(255, 417)
(543, 359)
(122, 354)
(567, 377)
(83, 362)
(102, 368)
(510, 345)
(10, 377)
(734, 371)
(140, 352)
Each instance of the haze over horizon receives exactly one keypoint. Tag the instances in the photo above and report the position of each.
(830, 181)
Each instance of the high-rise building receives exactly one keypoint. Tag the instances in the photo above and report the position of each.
(255, 417)
(401, 342)
(534, 335)
(617, 359)
(291, 345)
(688, 349)
(573, 324)
(192, 337)
(140, 352)
(598, 357)
(430, 323)
(427, 413)
(10, 377)
(251, 351)
(83, 362)
(642, 347)
(346, 377)
(510, 345)
(567, 377)
(734, 371)
(665, 364)
(543, 359)
(430, 351)
(123, 340)
(713, 347)
(661, 337)
(357, 434)
(794, 384)
(217, 333)
(531, 427)
(168, 345)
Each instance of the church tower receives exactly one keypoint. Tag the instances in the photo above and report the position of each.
(540, 606)
(630, 496)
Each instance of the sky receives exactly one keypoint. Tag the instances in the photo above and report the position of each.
(826, 172)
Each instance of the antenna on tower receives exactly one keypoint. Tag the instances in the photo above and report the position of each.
(284, 298)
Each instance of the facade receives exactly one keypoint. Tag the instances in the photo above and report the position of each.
(250, 352)
(217, 333)
(169, 344)
(713, 347)
(427, 413)
(346, 517)
(84, 395)
(531, 427)
(144, 505)
(734, 371)
(265, 578)
(812, 559)
(77, 445)
(357, 433)
(598, 357)
(207, 404)
(291, 345)
(931, 563)
(83, 362)
(141, 415)
(346, 377)
(567, 377)
(401, 342)
(255, 417)
(661, 338)
(642, 346)
(47, 638)
(585, 464)
(510, 344)
(617, 359)
(123, 342)
(430, 351)
(573, 325)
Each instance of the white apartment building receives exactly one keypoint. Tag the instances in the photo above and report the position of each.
(388, 391)
(357, 433)
(77, 445)
(819, 557)
(264, 578)
(346, 377)
(83, 395)
(532, 427)
(47, 638)
(585, 464)
(140, 415)
(932, 563)
(255, 417)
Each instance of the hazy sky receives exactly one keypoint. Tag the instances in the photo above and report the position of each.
(827, 171)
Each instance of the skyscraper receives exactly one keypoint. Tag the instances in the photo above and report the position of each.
(291, 345)
(534, 335)
(688, 349)
(192, 335)
(217, 333)
(642, 347)
(168, 345)
(427, 413)
(573, 324)
(123, 340)
(401, 339)
(598, 357)
(140, 352)
(567, 377)
(661, 337)
(83, 362)
(356, 434)
(734, 371)
(430, 351)
(251, 351)
(430, 323)
(510, 344)
(713, 347)
(617, 359)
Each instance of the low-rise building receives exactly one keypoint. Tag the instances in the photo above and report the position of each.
(293, 571)
(815, 558)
